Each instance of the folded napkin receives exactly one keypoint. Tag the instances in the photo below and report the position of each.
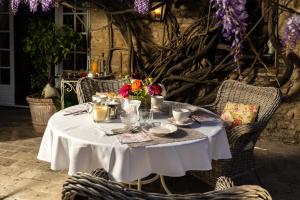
(127, 138)
(75, 110)
(203, 118)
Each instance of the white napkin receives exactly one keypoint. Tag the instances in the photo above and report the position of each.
(75, 109)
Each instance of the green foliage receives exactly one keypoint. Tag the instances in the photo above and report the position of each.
(47, 45)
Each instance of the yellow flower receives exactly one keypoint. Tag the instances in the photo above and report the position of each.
(150, 80)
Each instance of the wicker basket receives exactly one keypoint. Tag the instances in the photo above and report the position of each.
(41, 110)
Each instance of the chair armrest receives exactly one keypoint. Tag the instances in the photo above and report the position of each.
(242, 134)
(101, 173)
(211, 107)
(223, 183)
(86, 185)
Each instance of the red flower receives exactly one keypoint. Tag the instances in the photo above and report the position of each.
(157, 89)
(154, 89)
(236, 122)
(125, 90)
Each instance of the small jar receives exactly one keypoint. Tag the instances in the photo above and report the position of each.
(100, 112)
(113, 109)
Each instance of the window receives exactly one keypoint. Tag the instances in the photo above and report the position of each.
(78, 19)
(5, 46)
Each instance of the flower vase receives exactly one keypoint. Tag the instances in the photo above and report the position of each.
(145, 101)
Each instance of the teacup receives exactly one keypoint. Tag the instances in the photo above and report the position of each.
(181, 115)
(156, 102)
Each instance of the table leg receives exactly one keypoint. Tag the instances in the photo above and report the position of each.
(141, 182)
(62, 100)
(163, 183)
(139, 185)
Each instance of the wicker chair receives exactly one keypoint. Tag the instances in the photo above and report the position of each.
(87, 87)
(242, 139)
(97, 186)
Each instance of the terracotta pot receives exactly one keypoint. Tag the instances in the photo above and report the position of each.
(41, 110)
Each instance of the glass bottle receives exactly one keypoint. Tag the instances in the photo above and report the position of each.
(103, 70)
(95, 67)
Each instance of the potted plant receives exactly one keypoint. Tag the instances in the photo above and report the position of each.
(47, 45)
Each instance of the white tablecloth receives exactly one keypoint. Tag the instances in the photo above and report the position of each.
(77, 144)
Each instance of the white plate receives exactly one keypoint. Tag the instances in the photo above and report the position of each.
(163, 129)
(186, 123)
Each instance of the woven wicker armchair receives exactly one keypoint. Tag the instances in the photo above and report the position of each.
(97, 186)
(87, 87)
(242, 139)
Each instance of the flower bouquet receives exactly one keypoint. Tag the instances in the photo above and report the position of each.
(136, 88)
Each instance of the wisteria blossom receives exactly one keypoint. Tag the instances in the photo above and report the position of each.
(33, 4)
(291, 32)
(232, 15)
(48, 4)
(15, 5)
(142, 6)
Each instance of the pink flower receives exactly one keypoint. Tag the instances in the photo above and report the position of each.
(125, 90)
(150, 89)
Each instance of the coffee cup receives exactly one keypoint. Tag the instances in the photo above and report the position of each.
(156, 102)
(181, 115)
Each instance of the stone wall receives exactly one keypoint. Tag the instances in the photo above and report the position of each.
(154, 31)
(284, 125)
(100, 41)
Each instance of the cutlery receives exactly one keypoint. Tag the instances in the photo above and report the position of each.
(134, 129)
(76, 112)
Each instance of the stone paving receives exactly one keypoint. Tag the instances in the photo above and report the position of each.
(23, 177)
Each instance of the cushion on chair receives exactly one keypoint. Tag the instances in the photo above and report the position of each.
(235, 114)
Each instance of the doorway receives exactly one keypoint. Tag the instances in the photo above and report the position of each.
(23, 65)
(7, 83)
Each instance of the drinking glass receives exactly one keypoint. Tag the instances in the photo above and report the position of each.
(128, 119)
(146, 117)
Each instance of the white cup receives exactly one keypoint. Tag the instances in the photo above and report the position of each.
(156, 102)
(181, 115)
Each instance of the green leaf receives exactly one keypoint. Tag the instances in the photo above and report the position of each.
(47, 46)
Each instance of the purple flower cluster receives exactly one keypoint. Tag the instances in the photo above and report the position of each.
(232, 15)
(33, 4)
(142, 6)
(291, 32)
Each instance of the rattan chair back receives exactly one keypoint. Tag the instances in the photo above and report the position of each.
(242, 138)
(87, 87)
(267, 98)
(97, 186)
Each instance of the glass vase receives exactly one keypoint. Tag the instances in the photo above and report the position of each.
(145, 101)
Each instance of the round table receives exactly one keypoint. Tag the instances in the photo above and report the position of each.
(77, 143)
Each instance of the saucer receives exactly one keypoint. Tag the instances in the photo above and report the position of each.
(186, 123)
(163, 129)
